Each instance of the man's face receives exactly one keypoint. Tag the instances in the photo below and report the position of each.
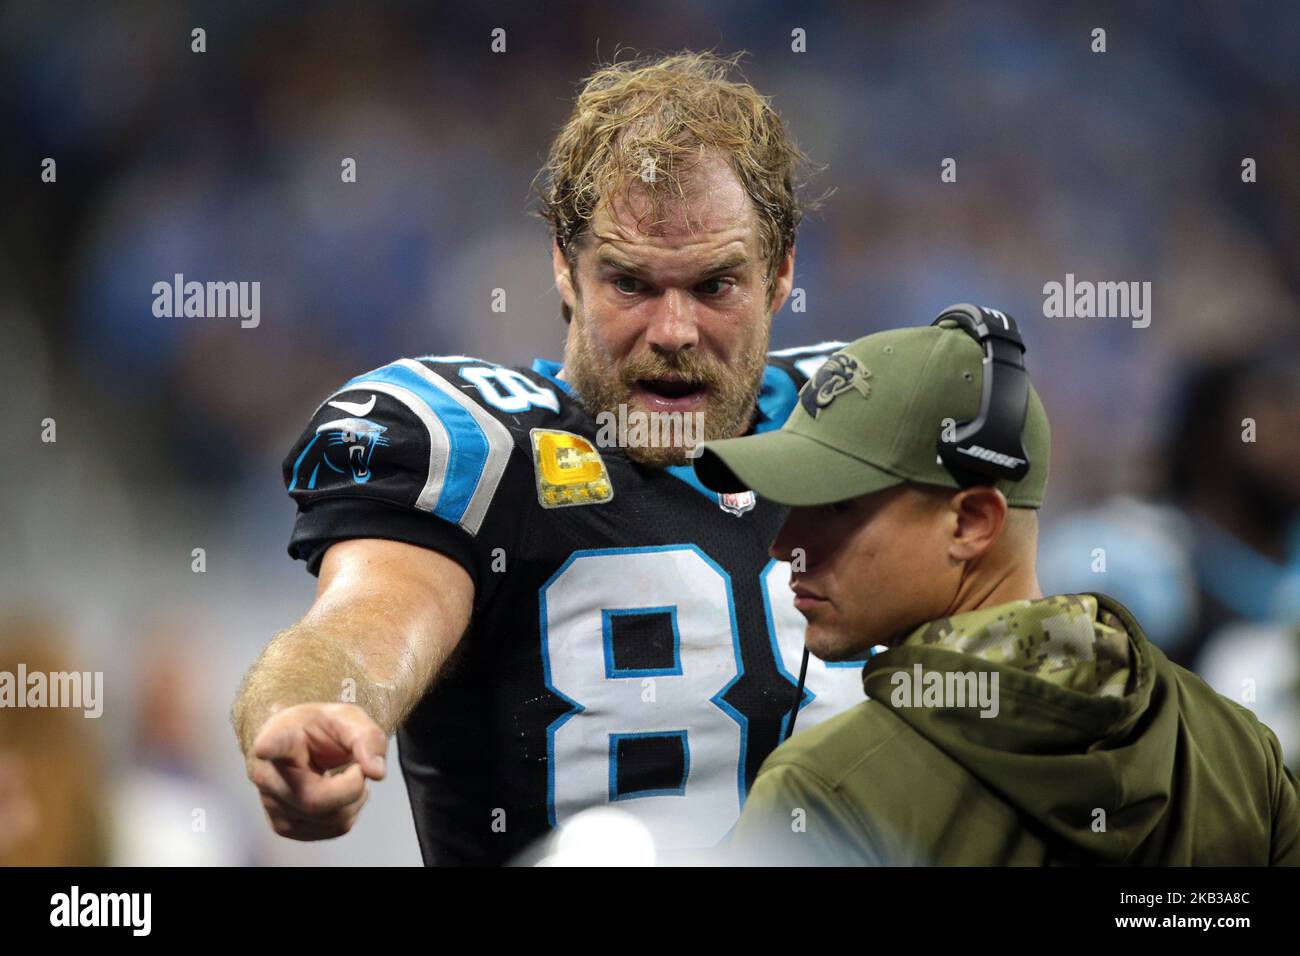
(673, 317)
(874, 568)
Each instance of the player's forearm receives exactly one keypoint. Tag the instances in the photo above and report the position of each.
(310, 664)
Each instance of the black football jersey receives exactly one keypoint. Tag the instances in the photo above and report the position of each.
(631, 643)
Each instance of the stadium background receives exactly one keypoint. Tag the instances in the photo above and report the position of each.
(225, 165)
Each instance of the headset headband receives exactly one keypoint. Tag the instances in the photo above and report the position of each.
(991, 445)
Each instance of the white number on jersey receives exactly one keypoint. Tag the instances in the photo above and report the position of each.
(686, 701)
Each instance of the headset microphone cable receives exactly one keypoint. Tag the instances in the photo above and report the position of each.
(798, 695)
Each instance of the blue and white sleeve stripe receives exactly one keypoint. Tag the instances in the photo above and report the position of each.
(468, 448)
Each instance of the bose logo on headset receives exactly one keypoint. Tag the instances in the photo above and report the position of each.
(1006, 461)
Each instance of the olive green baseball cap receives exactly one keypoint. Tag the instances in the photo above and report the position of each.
(870, 418)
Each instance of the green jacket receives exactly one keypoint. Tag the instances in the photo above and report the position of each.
(1095, 749)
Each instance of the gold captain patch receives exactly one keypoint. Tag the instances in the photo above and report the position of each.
(569, 470)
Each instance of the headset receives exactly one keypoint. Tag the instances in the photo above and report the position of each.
(991, 445)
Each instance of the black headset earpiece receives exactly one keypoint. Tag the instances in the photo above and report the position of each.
(991, 445)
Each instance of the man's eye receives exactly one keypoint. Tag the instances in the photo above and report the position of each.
(717, 286)
(627, 285)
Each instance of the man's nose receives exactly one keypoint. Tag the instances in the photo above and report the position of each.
(791, 537)
(673, 327)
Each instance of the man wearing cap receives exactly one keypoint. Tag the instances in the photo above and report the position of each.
(1001, 726)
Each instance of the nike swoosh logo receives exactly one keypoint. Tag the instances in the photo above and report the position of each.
(355, 409)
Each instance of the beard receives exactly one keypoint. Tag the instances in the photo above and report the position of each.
(731, 392)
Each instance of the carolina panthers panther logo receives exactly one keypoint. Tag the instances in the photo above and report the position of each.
(837, 375)
(345, 446)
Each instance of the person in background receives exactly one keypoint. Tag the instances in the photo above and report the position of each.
(51, 783)
(166, 811)
(1234, 473)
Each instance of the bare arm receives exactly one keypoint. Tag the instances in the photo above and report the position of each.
(387, 615)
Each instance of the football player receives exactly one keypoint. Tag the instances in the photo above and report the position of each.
(519, 573)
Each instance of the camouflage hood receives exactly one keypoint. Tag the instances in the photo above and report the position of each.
(1069, 740)
(1066, 639)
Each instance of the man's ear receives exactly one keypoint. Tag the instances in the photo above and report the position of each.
(783, 281)
(981, 514)
(564, 280)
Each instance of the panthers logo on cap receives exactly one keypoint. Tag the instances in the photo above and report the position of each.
(837, 375)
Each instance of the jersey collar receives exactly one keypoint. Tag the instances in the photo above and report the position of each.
(776, 400)
(551, 372)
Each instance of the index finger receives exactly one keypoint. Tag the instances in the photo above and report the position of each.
(363, 738)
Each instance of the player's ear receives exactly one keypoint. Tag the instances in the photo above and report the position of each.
(564, 281)
(783, 281)
(981, 515)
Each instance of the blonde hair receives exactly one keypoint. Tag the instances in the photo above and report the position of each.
(665, 113)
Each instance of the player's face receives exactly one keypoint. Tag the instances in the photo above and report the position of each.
(874, 568)
(673, 317)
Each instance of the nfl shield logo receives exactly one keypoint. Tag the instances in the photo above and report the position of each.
(738, 503)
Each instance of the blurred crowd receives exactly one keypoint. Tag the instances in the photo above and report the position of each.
(1176, 447)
